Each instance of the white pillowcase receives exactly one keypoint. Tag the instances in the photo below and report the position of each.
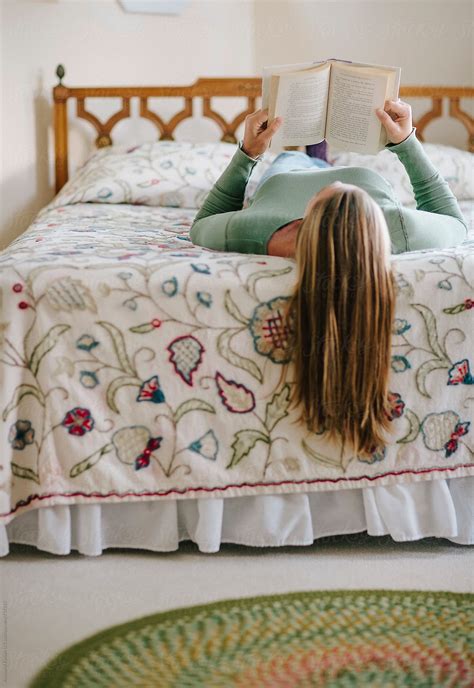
(176, 174)
(180, 174)
(454, 164)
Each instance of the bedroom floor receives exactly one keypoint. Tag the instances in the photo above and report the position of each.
(51, 602)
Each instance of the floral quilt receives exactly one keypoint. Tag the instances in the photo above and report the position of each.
(136, 366)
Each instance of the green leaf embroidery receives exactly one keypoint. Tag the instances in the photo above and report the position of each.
(232, 308)
(67, 294)
(235, 359)
(277, 408)
(261, 274)
(20, 392)
(320, 458)
(84, 465)
(45, 345)
(191, 405)
(414, 429)
(454, 310)
(26, 473)
(142, 329)
(245, 441)
(119, 347)
(431, 330)
(115, 385)
(423, 371)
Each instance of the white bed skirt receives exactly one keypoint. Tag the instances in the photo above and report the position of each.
(438, 508)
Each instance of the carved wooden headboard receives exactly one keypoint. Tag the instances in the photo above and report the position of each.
(207, 88)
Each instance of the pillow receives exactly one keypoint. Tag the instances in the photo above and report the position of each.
(454, 164)
(174, 174)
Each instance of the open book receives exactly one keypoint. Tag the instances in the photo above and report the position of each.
(329, 99)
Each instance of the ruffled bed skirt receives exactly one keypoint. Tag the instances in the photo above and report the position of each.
(438, 508)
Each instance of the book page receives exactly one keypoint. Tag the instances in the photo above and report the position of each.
(354, 93)
(267, 72)
(301, 99)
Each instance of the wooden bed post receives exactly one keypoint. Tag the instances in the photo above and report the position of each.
(60, 94)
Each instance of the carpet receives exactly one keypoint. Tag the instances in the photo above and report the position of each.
(333, 638)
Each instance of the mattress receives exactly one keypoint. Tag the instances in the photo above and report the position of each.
(151, 389)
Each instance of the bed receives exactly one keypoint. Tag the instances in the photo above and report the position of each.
(139, 400)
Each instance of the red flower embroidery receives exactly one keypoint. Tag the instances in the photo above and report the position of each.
(143, 460)
(17, 288)
(156, 322)
(23, 305)
(397, 405)
(468, 303)
(452, 444)
(78, 421)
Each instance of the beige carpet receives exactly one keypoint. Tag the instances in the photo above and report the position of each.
(50, 602)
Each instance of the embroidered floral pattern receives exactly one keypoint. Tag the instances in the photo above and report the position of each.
(452, 444)
(160, 360)
(235, 397)
(86, 342)
(88, 379)
(397, 405)
(78, 421)
(151, 391)
(186, 355)
(170, 286)
(143, 459)
(400, 325)
(442, 431)
(270, 329)
(207, 446)
(400, 364)
(201, 267)
(205, 298)
(130, 439)
(21, 433)
(460, 373)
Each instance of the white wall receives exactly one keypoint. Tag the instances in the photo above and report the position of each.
(100, 44)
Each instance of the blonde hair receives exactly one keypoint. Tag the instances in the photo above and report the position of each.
(341, 311)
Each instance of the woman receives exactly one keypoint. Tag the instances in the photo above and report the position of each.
(341, 224)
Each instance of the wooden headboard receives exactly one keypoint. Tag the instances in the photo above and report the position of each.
(207, 88)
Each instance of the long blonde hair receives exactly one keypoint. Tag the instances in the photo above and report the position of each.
(342, 309)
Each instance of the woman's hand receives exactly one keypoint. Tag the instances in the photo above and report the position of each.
(396, 119)
(257, 134)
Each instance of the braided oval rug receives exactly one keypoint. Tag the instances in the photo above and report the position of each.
(338, 638)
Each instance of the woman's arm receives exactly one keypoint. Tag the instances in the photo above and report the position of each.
(227, 195)
(437, 221)
(432, 192)
(228, 192)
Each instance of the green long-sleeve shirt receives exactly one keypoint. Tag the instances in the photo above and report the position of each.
(223, 224)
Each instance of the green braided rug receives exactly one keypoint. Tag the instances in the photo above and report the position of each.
(338, 638)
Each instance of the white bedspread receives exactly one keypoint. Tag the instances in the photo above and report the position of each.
(137, 367)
